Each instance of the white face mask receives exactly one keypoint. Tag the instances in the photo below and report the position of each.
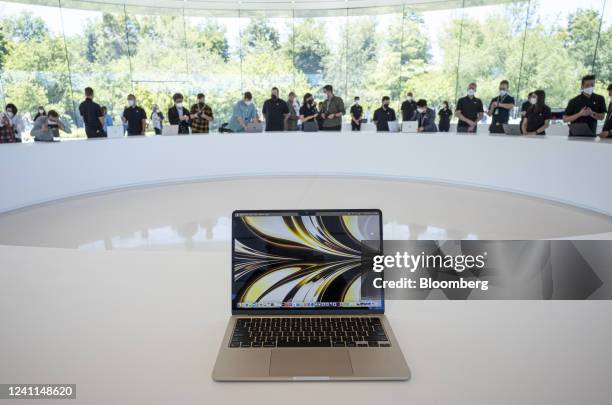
(533, 100)
(588, 90)
(50, 122)
(10, 114)
(408, 98)
(471, 92)
(41, 111)
(421, 110)
(248, 102)
(131, 102)
(356, 102)
(179, 105)
(503, 92)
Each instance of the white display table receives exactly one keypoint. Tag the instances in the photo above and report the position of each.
(574, 172)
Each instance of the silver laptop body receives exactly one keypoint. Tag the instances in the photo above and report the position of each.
(299, 310)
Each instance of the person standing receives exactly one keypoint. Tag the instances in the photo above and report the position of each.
(538, 116)
(39, 112)
(108, 120)
(408, 108)
(92, 116)
(332, 110)
(157, 119)
(531, 100)
(607, 128)
(16, 122)
(356, 115)
(201, 116)
(469, 111)
(178, 114)
(587, 107)
(384, 115)
(426, 117)
(48, 123)
(244, 113)
(294, 112)
(7, 132)
(445, 115)
(308, 111)
(275, 112)
(135, 117)
(500, 107)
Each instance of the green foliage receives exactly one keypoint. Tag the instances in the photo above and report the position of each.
(370, 56)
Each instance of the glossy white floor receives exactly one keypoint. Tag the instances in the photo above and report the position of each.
(197, 215)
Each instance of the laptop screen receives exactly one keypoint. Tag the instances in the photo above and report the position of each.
(302, 260)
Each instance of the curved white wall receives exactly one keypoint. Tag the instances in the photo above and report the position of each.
(568, 171)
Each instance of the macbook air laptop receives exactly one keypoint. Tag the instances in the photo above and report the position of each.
(581, 129)
(254, 127)
(116, 131)
(512, 129)
(299, 310)
(170, 130)
(393, 126)
(410, 126)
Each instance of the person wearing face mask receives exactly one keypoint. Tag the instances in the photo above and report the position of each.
(91, 112)
(469, 111)
(134, 117)
(275, 111)
(178, 114)
(201, 116)
(46, 127)
(157, 119)
(587, 107)
(384, 115)
(531, 100)
(17, 123)
(244, 113)
(538, 115)
(500, 108)
(291, 123)
(445, 115)
(408, 108)
(40, 111)
(332, 110)
(356, 115)
(607, 128)
(309, 113)
(426, 117)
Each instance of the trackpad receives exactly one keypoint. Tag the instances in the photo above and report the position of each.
(310, 363)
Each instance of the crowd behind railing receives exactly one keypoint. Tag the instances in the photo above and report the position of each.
(276, 114)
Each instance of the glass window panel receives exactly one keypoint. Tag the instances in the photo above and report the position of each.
(491, 48)
(213, 55)
(33, 63)
(559, 47)
(98, 55)
(435, 77)
(603, 61)
(374, 55)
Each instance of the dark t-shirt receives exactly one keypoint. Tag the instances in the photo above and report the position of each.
(382, 116)
(501, 115)
(308, 111)
(134, 116)
(469, 107)
(595, 102)
(356, 111)
(274, 110)
(408, 108)
(91, 113)
(535, 119)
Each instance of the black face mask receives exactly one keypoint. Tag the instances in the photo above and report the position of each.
(386, 105)
(274, 96)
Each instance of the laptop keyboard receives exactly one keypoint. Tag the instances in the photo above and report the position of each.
(309, 332)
